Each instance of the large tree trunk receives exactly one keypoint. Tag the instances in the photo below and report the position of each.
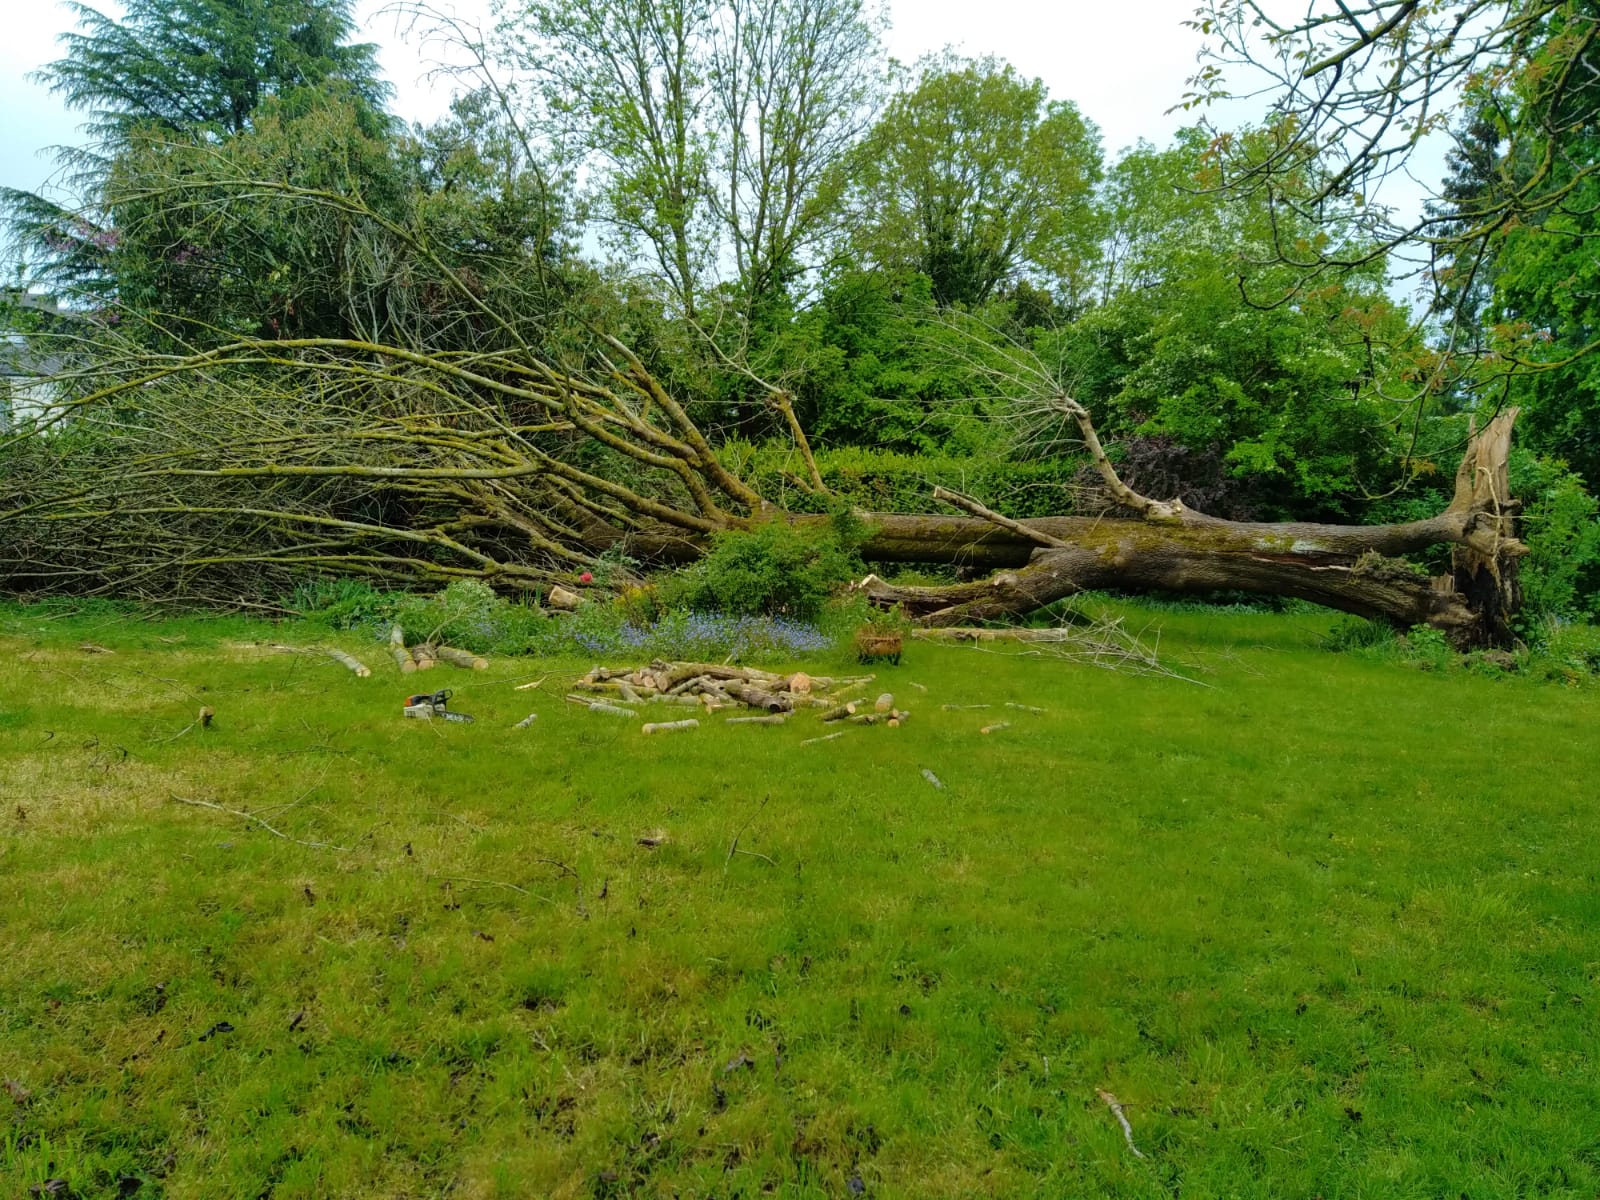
(1171, 548)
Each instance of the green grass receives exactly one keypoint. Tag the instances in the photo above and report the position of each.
(1327, 926)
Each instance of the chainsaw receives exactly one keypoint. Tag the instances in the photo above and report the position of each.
(428, 705)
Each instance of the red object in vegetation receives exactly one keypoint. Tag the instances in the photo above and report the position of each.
(586, 577)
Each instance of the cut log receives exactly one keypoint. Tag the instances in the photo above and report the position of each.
(423, 653)
(770, 719)
(669, 726)
(757, 697)
(350, 662)
(996, 727)
(526, 721)
(601, 706)
(838, 712)
(461, 658)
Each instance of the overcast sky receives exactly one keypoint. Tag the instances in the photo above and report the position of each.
(1122, 73)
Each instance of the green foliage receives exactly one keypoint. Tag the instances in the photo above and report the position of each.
(973, 178)
(184, 72)
(467, 614)
(1561, 526)
(1358, 633)
(776, 568)
(704, 130)
(888, 481)
(1197, 342)
(204, 67)
(341, 603)
(190, 249)
(1565, 652)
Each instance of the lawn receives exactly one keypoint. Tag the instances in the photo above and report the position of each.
(1324, 925)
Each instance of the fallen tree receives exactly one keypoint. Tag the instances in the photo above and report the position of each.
(219, 474)
(1169, 547)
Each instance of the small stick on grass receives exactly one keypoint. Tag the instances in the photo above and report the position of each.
(526, 721)
(827, 737)
(234, 812)
(1116, 1110)
(733, 846)
(996, 727)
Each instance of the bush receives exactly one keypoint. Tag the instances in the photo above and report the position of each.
(1561, 573)
(1564, 652)
(341, 603)
(776, 569)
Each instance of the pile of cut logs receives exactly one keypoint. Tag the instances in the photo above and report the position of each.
(712, 687)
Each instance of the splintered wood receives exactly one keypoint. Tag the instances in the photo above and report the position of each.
(714, 686)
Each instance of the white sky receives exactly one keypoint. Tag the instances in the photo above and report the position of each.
(1122, 73)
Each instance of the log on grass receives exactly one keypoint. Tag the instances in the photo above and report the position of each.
(601, 706)
(769, 719)
(423, 654)
(461, 658)
(398, 652)
(758, 697)
(350, 662)
(668, 726)
(526, 721)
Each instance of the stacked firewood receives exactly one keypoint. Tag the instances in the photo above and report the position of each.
(712, 687)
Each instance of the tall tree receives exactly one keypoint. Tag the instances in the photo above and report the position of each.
(975, 177)
(184, 72)
(706, 128)
(204, 67)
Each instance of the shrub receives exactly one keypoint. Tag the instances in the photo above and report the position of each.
(341, 603)
(776, 569)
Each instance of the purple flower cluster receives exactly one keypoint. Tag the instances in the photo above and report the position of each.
(704, 635)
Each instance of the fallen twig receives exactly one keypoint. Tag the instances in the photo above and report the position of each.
(234, 812)
(1116, 1111)
(933, 779)
(827, 737)
(733, 846)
